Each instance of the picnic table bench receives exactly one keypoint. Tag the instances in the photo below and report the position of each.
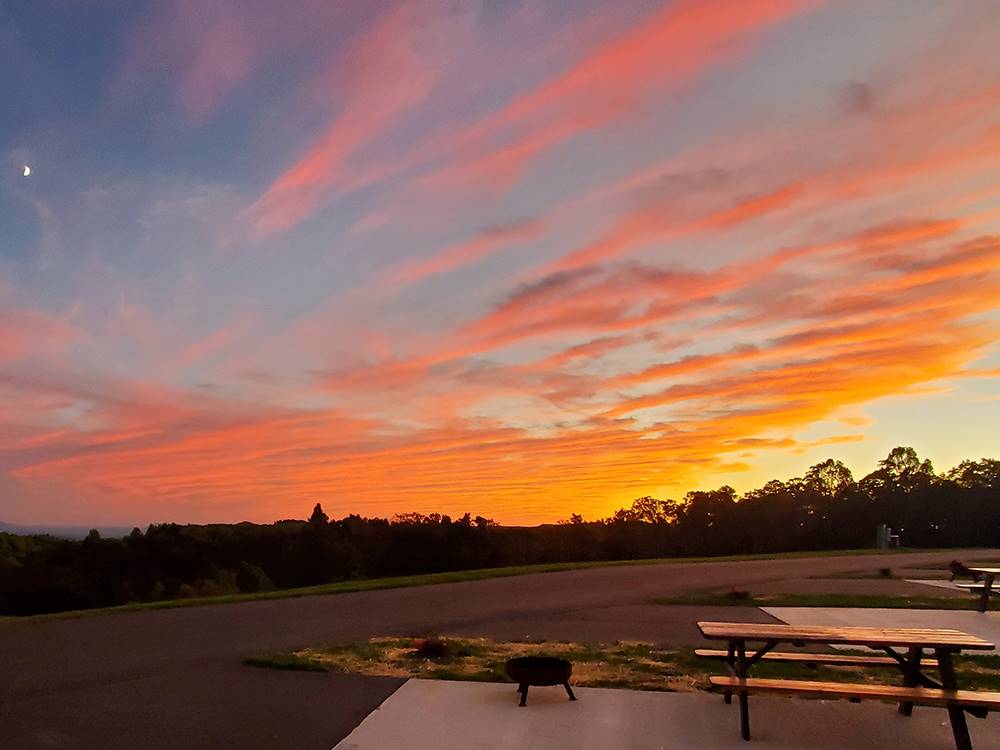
(904, 649)
(983, 586)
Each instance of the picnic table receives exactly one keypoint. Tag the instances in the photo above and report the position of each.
(988, 575)
(903, 648)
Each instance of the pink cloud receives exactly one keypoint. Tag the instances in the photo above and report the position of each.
(207, 49)
(487, 242)
(663, 54)
(386, 73)
(607, 82)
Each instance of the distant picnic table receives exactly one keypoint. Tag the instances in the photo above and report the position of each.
(903, 648)
(988, 575)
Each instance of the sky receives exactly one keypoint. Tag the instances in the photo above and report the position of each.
(518, 258)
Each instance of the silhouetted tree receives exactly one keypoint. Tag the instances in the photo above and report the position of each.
(830, 478)
(982, 474)
(318, 517)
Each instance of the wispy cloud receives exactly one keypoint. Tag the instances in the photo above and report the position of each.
(206, 50)
(387, 72)
(608, 82)
(661, 55)
(486, 242)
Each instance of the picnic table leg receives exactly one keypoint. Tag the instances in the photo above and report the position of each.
(741, 671)
(727, 696)
(913, 656)
(959, 727)
(984, 601)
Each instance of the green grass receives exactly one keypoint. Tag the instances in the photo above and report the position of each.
(284, 661)
(376, 584)
(864, 575)
(723, 599)
(636, 666)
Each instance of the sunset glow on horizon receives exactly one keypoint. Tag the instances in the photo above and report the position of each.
(512, 258)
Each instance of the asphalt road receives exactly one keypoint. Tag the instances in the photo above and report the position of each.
(173, 678)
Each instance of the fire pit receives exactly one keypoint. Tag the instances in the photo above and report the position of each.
(540, 671)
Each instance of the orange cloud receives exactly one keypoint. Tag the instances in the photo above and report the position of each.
(649, 223)
(913, 146)
(832, 356)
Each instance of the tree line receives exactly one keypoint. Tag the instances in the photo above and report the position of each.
(825, 509)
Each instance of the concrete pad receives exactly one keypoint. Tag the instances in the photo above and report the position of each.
(431, 715)
(923, 573)
(940, 584)
(983, 624)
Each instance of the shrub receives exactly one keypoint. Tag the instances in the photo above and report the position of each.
(251, 578)
(185, 591)
(431, 648)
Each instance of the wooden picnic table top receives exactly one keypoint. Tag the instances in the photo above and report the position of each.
(854, 636)
(988, 571)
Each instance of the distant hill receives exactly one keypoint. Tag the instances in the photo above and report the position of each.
(65, 532)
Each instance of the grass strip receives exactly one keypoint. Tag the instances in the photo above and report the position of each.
(284, 661)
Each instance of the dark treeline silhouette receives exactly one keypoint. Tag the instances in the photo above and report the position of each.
(825, 509)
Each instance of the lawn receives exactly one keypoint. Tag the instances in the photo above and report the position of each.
(746, 599)
(627, 665)
(375, 584)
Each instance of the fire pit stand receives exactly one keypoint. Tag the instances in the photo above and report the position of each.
(540, 671)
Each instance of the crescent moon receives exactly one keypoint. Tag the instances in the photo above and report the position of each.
(27, 170)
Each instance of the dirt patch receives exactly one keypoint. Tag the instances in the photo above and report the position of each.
(635, 665)
(629, 665)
